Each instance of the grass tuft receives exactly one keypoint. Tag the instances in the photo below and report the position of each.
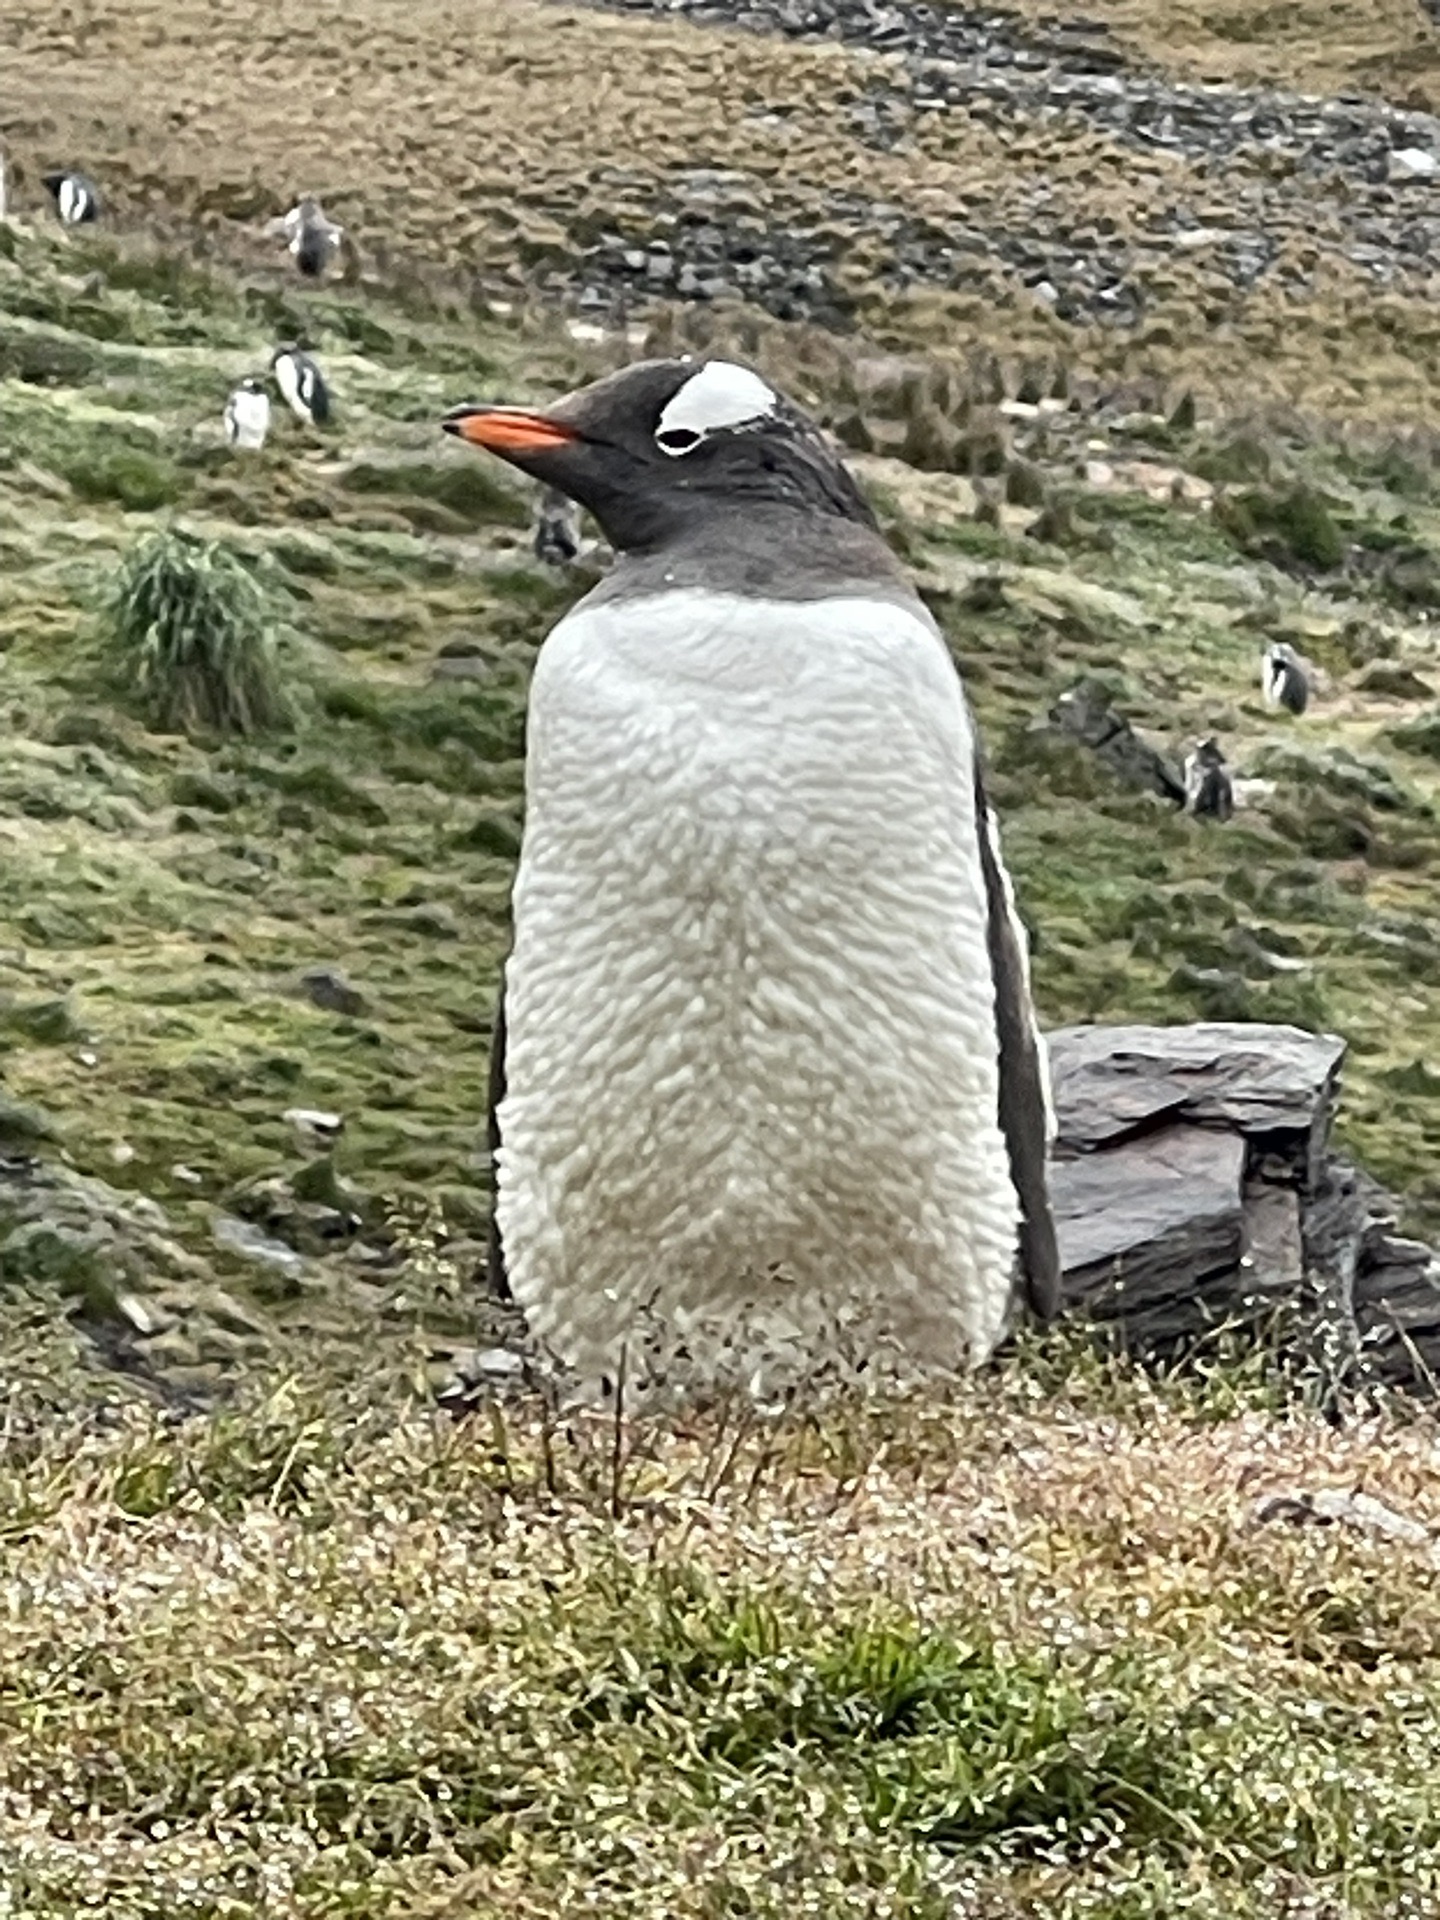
(194, 638)
(131, 479)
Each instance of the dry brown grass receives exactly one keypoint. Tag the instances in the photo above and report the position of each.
(1027, 1648)
(1318, 46)
(542, 126)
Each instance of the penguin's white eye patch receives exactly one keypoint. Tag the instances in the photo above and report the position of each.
(719, 396)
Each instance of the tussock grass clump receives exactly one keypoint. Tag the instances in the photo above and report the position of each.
(195, 638)
(131, 479)
(1291, 527)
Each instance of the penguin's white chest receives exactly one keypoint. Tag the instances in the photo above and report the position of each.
(751, 1059)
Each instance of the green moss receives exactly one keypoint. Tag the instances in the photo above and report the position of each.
(327, 788)
(190, 789)
(490, 832)
(465, 490)
(42, 1023)
(1290, 526)
(1410, 576)
(134, 481)
(1419, 736)
(43, 359)
(1233, 461)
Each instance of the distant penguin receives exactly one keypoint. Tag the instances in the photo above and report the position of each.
(247, 416)
(557, 529)
(1209, 793)
(1283, 679)
(766, 1079)
(77, 199)
(4, 186)
(301, 385)
(313, 239)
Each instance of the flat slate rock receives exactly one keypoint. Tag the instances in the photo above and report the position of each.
(1144, 1225)
(1274, 1085)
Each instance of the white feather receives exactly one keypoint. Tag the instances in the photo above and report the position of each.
(720, 395)
(750, 1010)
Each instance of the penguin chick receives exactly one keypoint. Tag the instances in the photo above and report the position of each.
(1209, 793)
(247, 416)
(313, 239)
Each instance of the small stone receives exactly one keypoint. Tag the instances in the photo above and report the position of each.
(1330, 1506)
(497, 1363)
(463, 666)
(22, 1123)
(133, 1309)
(240, 1237)
(1413, 163)
(328, 989)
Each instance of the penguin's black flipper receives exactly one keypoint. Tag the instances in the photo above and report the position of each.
(1023, 1101)
(497, 1280)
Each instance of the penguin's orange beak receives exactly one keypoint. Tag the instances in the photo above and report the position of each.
(508, 430)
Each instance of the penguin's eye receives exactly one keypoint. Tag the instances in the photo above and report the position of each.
(678, 439)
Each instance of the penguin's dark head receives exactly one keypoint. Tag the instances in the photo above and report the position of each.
(661, 444)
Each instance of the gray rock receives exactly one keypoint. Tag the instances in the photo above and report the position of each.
(1276, 1086)
(1339, 1506)
(1272, 1247)
(251, 1244)
(1085, 712)
(1396, 1302)
(1193, 1183)
(1266, 166)
(328, 989)
(1413, 163)
(1146, 1227)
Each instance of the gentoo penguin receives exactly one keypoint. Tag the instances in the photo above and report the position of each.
(301, 386)
(1283, 679)
(557, 529)
(313, 239)
(1208, 790)
(76, 198)
(767, 1087)
(247, 416)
